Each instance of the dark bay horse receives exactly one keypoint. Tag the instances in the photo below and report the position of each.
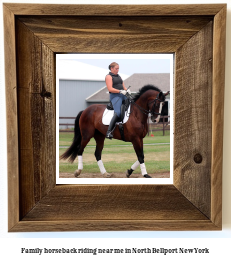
(88, 124)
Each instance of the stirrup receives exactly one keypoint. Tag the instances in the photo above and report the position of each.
(109, 135)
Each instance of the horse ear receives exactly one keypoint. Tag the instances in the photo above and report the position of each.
(165, 94)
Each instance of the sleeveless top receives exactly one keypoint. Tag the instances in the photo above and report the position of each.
(116, 81)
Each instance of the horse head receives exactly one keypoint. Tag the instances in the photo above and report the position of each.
(153, 98)
(158, 103)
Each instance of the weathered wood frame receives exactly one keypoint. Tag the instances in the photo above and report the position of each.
(34, 34)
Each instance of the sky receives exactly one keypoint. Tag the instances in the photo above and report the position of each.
(129, 63)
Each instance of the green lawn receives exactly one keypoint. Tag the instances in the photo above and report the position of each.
(65, 139)
(117, 158)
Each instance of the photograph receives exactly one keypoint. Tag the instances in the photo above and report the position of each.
(113, 118)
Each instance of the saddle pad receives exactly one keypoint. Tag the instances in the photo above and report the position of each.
(108, 114)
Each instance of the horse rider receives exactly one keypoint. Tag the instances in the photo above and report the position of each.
(117, 92)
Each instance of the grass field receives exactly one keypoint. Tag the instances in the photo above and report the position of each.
(118, 156)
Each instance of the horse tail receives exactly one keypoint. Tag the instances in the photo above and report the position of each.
(72, 152)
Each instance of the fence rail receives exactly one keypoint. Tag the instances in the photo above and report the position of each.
(163, 125)
(67, 124)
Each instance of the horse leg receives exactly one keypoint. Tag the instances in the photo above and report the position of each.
(99, 138)
(84, 142)
(138, 146)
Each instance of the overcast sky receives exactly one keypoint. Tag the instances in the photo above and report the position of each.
(129, 63)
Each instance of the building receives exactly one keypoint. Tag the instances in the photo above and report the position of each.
(77, 81)
(137, 81)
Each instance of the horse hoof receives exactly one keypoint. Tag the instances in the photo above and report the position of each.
(106, 175)
(147, 176)
(77, 172)
(128, 174)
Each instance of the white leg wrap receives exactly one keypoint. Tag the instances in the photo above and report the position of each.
(143, 169)
(135, 165)
(101, 166)
(80, 162)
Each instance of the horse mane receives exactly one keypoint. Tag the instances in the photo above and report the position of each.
(144, 89)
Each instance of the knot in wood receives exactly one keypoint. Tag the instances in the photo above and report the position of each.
(45, 94)
(198, 158)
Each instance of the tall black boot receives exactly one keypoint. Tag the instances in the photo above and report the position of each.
(114, 119)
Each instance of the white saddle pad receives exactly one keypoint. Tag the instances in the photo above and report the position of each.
(108, 114)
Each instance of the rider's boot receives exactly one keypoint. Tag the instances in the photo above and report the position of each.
(109, 134)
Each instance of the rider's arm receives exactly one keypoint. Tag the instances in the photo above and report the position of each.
(109, 85)
(128, 91)
(124, 87)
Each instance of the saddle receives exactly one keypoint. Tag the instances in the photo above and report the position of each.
(109, 112)
(125, 112)
(124, 107)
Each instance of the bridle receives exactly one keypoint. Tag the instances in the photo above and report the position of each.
(152, 112)
(154, 104)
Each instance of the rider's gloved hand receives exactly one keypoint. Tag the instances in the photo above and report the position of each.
(129, 92)
(123, 92)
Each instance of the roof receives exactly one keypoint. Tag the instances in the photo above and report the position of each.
(75, 70)
(136, 81)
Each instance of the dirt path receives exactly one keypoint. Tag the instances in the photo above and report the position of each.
(114, 175)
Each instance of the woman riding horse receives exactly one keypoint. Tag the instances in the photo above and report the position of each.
(88, 124)
(117, 92)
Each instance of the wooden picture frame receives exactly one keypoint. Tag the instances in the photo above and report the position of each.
(33, 34)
